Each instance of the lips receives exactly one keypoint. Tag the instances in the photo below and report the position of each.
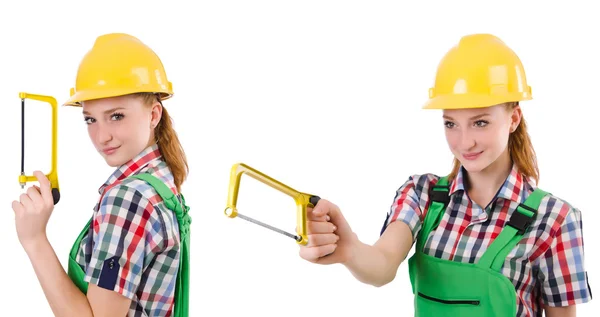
(472, 156)
(109, 150)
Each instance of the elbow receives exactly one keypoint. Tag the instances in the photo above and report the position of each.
(376, 281)
(386, 275)
(384, 280)
(381, 284)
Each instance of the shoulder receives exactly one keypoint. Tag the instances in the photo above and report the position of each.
(414, 192)
(136, 195)
(129, 200)
(419, 183)
(557, 214)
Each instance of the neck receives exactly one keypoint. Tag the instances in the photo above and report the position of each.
(489, 180)
(151, 142)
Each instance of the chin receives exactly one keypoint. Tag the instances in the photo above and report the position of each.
(114, 165)
(113, 161)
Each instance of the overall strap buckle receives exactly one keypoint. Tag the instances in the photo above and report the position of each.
(440, 193)
(522, 218)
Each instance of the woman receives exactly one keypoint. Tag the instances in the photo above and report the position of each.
(131, 259)
(519, 248)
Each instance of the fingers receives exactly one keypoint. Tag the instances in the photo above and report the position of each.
(25, 201)
(313, 254)
(17, 207)
(321, 209)
(317, 227)
(35, 196)
(317, 240)
(45, 190)
(311, 216)
(325, 208)
(322, 237)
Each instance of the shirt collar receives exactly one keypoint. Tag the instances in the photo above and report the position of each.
(512, 189)
(132, 166)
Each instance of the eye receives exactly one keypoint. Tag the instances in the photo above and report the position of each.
(89, 120)
(449, 124)
(117, 116)
(481, 123)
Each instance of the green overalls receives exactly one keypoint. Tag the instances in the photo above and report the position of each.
(448, 288)
(181, 308)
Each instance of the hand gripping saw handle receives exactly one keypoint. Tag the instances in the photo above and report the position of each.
(52, 176)
(302, 200)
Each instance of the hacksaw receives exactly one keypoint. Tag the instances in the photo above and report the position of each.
(52, 176)
(303, 200)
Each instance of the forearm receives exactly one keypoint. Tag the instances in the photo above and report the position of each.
(378, 264)
(64, 297)
(371, 265)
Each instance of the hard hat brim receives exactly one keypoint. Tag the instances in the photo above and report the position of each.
(470, 101)
(86, 95)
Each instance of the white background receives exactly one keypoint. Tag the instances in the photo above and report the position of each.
(324, 96)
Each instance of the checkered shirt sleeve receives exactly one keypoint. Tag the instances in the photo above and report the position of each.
(127, 233)
(409, 202)
(562, 273)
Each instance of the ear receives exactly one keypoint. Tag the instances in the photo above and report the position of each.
(156, 114)
(515, 117)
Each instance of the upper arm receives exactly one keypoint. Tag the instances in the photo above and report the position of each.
(107, 303)
(403, 220)
(395, 243)
(125, 232)
(568, 311)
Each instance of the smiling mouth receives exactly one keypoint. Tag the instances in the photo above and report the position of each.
(110, 150)
(472, 156)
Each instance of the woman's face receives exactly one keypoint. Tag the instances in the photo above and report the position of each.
(478, 137)
(120, 127)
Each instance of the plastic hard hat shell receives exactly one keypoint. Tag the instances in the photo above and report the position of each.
(119, 64)
(480, 71)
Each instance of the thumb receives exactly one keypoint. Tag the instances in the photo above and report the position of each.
(44, 187)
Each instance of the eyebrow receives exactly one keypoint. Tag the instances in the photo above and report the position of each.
(472, 118)
(107, 111)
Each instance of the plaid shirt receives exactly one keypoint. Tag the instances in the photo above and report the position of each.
(133, 244)
(546, 267)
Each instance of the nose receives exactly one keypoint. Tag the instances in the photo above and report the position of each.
(103, 134)
(467, 141)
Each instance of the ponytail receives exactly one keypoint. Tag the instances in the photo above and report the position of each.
(168, 143)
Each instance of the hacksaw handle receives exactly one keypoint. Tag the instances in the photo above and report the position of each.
(314, 200)
(55, 195)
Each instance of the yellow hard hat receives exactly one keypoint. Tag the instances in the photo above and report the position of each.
(119, 64)
(480, 71)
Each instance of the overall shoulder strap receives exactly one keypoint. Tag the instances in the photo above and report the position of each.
(439, 197)
(181, 211)
(163, 190)
(513, 231)
(181, 306)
